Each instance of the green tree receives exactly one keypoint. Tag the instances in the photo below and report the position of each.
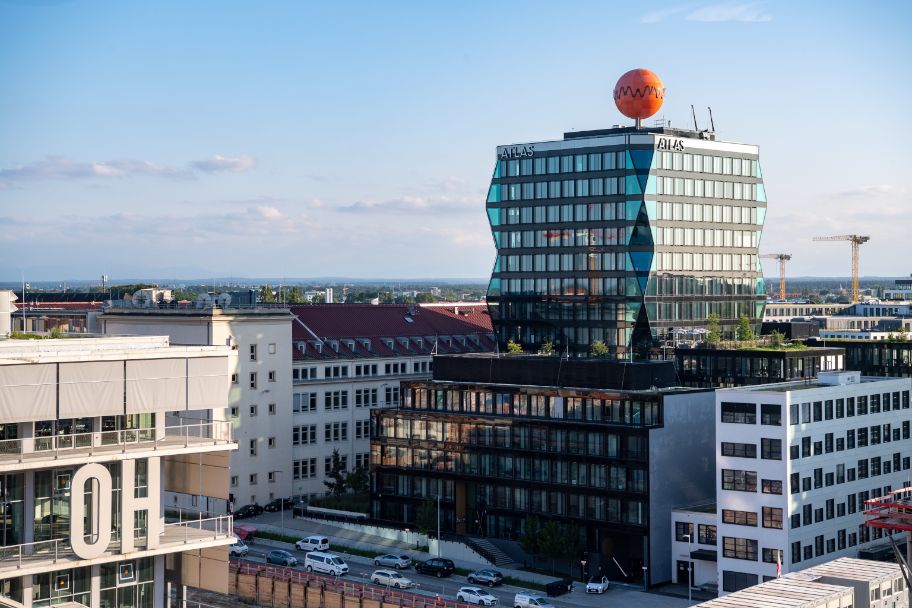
(514, 347)
(335, 481)
(902, 336)
(551, 542)
(600, 350)
(426, 517)
(547, 347)
(358, 481)
(572, 544)
(530, 539)
(425, 297)
(777, 339)
(713, 330)
(745, 332)
(266, 293)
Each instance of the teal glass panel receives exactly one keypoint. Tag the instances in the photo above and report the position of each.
(494, 193)
(761, 215)
(496, 264)
(494, 287)
(500, 168)
(642, 261)
(651, 210)
(632, 309)
(761, 193)
(651, 310)
(758, 309)
(650, 184)
(633, 210)
(633, 289)
(496, 236)
(760, 288)
(494, 217)
(640, 160)
(757, 172)
(633, 185)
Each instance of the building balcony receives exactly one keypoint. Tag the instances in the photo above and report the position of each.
(107, 446)
(43, 556)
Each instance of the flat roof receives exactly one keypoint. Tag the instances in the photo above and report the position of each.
(785, 592)
(706, 507)
(800, 385)
(854, 569)
(14, 351)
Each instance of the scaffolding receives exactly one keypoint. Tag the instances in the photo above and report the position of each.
(893, 512)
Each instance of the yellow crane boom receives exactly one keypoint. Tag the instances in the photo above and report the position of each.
(857, 241)
(783, 258)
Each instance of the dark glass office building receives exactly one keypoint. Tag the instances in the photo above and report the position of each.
(591, 443)
(622, 235)
(731, 367)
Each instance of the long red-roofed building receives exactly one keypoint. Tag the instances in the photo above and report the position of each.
(349, 358)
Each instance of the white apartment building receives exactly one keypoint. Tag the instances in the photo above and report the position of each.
(795, 463)
(259, 404)
(349, 359)
(93, 431)
(694, 545)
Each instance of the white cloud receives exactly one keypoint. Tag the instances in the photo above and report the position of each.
(878, 190)
(218, 163)
(714, 13)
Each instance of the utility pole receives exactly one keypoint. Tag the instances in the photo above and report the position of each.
(438, 524)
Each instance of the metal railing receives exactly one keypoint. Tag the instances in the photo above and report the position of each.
(54, 551)
(217, 432)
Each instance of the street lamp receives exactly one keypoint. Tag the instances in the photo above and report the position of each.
(583, 570)
(689, 564)
(438, 525)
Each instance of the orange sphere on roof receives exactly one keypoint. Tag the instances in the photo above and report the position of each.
(639, 93)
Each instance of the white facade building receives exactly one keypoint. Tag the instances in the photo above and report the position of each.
(93, 431)
(349, 359)
(795, 462)
(259, 405)
(694, 545)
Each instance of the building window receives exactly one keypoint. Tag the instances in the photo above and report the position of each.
(253, 411)
(253, 380)
(272, 409)
(234, 481)
(362, 429)
(739, 450)
(327, 463)
(253, 447)
(304, 402)
(740, 481)
(335, 431)
(271, 375)
(362, 460)
(739, 548)
(365, 397)
(271, 443)
(770, 555)
(739, 518)
(772, 517)
(736, 581)
(304, 469)
(253, 352)
(335, 400)
(304, 435)
(771, 486)
(235, 411)
(684, 531)
(796, 552)
(234, 378)
(739, 413)
(706, 534)
(771, 449)
(771, 414)
(272, 476)
(253, 479)
(272, 348)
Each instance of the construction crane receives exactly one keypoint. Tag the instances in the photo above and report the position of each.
(783, 258)
(857, 241)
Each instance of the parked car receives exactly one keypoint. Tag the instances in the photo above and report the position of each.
(313, 543)
(238, 549)
(391, 578)
(710, 588)
(248, 511)
(282, 557)
(391, 560)
(245, 533)
(486, 577)
(327, 563)
(279, 504)
(598, 584)
(531, 600)
(437, 566)
(475, 595)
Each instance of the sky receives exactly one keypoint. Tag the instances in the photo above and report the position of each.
(176, 139)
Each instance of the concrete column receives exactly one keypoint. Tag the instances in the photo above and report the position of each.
(27, 435)
(159, 426)
(28, 506)
(159, 592)
(95, 588)
(27, 591)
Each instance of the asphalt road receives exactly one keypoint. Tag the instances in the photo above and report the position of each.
(360, 569)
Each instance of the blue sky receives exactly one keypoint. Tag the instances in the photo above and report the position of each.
(199, 139)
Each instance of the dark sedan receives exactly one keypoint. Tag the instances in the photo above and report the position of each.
(279, 504)
(248, 511)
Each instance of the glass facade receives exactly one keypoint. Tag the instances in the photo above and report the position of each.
(622, 242)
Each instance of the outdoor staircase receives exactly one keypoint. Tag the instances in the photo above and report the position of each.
(490, 552)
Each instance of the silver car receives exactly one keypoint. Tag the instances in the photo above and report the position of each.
(391, 560)
(391, 578)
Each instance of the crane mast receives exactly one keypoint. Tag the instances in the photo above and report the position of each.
(857, 241)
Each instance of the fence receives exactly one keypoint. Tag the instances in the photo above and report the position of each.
(279, 587)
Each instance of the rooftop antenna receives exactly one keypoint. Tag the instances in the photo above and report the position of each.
(712, 125)
(694, 112)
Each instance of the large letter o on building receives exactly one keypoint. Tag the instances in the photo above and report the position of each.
(102, 496)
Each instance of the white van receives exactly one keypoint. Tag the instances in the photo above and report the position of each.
(326, 563)
(313, 543)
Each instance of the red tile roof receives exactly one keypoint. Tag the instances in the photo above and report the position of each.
(331, 331)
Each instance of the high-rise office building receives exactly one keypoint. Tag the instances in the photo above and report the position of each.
(624, 235)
